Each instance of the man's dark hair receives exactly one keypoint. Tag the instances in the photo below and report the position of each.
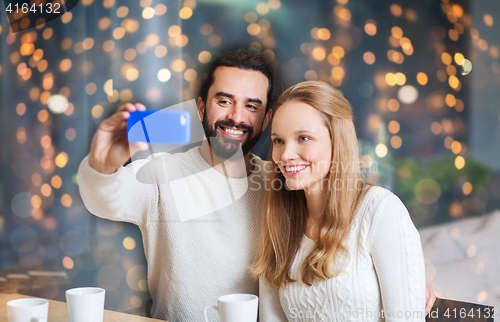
(245, 60)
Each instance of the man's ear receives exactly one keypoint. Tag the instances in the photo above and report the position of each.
(267, 118)
(201, 108)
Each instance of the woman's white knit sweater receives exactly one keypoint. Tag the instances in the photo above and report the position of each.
(384, 277)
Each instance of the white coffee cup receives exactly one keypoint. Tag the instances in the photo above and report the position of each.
(85, 304)
(28, 310)
(236, 308)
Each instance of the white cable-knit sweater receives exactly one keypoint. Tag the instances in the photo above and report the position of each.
(384, 278)
(200, 228)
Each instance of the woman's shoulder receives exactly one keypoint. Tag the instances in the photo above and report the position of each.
(376, 196)
(378, 202)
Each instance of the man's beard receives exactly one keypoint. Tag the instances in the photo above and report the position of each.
(226, 147)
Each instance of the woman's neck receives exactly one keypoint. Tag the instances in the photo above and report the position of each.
(316, 200)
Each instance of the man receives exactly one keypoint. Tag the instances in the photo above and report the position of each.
(193, 256)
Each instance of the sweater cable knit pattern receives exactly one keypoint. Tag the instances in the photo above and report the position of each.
(385, 272)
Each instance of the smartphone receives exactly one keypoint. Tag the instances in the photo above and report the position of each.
(159, 126)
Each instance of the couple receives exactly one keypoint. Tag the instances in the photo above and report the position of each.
(321, 251)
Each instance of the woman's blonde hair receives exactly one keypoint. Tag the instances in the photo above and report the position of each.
(285, 211)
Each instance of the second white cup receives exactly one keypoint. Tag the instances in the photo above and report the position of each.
(236, 308)
(85, 304)
(28, 310)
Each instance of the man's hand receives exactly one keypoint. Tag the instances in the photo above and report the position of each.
(110, 148)
(431, 295)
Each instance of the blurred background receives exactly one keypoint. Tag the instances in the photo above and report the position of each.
(423, 78)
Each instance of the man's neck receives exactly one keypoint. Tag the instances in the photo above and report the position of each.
(232, 169)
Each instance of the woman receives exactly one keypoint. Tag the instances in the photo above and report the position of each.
(333, 248)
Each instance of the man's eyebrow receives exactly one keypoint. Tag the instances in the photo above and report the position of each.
(252, 100)
(255, 100)
(224, 94)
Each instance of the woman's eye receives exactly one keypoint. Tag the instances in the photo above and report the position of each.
(276, 141)
(304, 138)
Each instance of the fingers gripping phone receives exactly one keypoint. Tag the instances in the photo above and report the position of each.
(159, 126)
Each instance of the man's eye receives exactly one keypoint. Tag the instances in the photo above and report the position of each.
(253, 107)
(224, 102)
(277, 141)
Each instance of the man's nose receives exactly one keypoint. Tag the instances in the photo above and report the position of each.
(237, 114)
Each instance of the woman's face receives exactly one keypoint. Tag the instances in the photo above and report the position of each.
(302, 147)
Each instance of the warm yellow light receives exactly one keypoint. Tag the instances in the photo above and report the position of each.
(174, 31)
(436, 128)
(164, 75)
(161, 51)
(456, 147)
(88, 43)
(178, 65)
(205, 57)
(454, 82)
(262, 8)
(393, 105)
(122, 12)
(397, 32)
(185, 13)
(131, 74)
(68, 263)
(45, 190)
(459, 162)
(450, 100)
(396, 142)
(97, 111)
(422, 78)
(36, 201)
(118, 33)
(128, 243)
(65, 65)
(152, 40)
(467, 188)
(253, 29)
(393, 127)
(108, 87)
(104, 23)
(390, 79)
(66, 200)
(459, 58)
(369, 58)
(371, 28)
(446, 58)
(61, 159)
(148, 13)
(381, 150)
(396, 10)
(70, 134)
(319, 53)
(130, 54)
(56, 182)
(488, 20)
(160, 9)
(400, 79)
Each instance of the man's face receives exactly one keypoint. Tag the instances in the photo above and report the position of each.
(234, 115)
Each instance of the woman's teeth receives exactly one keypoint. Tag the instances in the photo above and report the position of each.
(295, 168)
